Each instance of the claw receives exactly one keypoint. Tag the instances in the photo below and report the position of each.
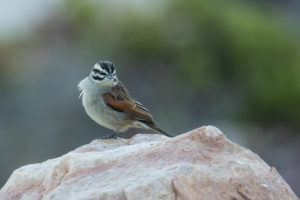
(109, 136)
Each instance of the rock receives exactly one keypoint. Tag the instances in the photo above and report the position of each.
(199, 165)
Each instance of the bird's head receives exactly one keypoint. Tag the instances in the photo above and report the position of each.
(104, 74)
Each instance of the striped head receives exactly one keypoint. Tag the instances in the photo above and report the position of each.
(104, 74)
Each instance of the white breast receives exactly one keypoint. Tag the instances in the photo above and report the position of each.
(97, 110)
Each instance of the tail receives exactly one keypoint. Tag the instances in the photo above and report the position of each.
(160, 130)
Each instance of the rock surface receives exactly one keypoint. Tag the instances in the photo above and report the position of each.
(198, 165)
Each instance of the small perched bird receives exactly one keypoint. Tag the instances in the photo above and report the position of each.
(107, 101)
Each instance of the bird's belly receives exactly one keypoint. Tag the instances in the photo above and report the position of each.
(104, 115)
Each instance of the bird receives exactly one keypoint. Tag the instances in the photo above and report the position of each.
(107, 101)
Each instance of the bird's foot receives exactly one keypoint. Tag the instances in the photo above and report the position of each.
(108, 136)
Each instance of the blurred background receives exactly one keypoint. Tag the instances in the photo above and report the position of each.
(231, 64)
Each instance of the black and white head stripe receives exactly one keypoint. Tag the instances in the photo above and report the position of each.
(102, 69)
(107, 66)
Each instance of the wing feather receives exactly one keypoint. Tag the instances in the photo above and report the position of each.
(119, 99)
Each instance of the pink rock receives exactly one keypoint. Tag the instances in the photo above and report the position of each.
(199, 165)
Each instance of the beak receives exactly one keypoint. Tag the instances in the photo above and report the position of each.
(110, 76)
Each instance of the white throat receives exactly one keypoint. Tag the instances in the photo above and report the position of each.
(87, 86)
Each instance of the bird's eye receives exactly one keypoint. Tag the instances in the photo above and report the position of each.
(97, 78)
(97, 71)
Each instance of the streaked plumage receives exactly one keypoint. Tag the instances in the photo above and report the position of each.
(108, 102)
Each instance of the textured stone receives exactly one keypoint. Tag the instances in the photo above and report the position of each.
(198, 165)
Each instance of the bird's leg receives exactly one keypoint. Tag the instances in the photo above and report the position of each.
(113, 135)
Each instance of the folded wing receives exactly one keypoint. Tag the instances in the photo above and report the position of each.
(120, 100)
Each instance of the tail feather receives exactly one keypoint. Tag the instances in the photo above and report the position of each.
(160, 131)
(153, 126)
